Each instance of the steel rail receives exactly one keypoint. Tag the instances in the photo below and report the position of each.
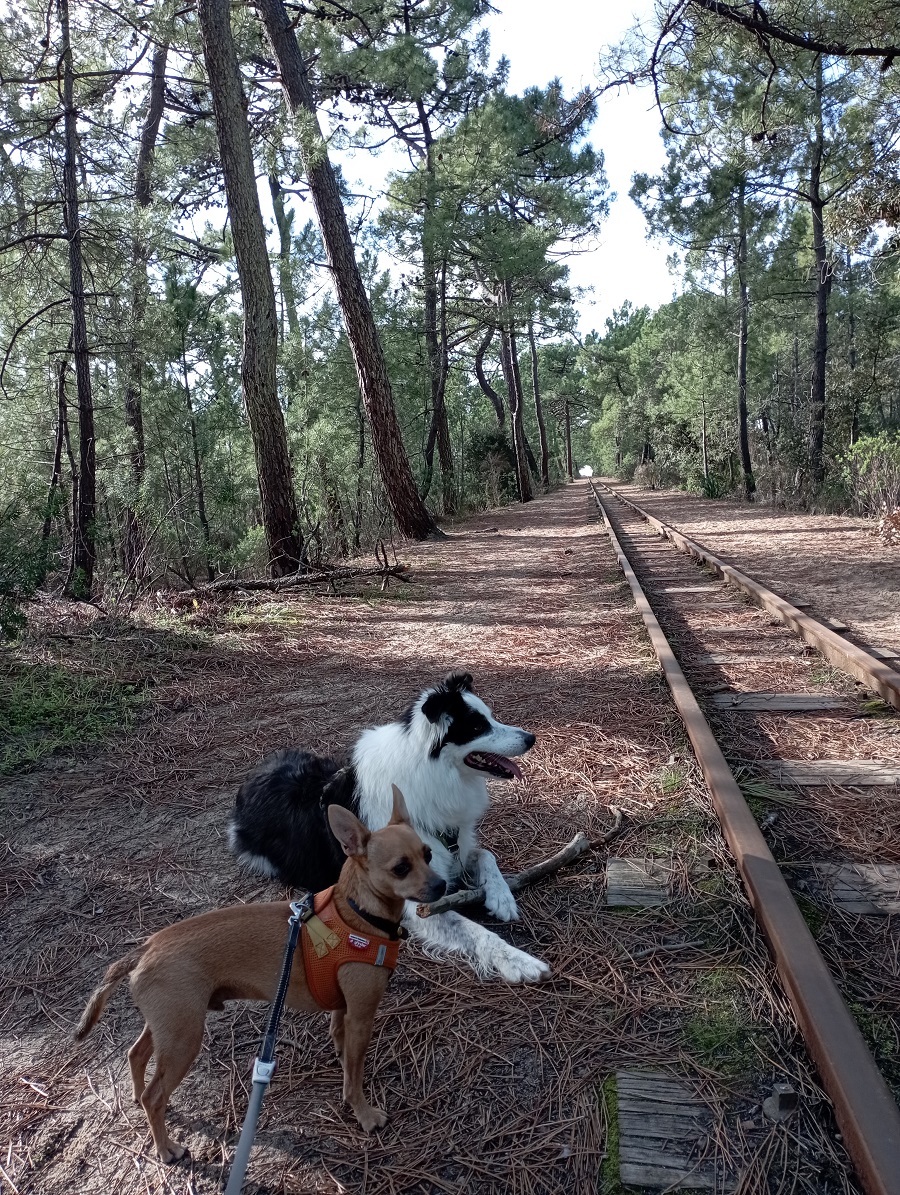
(866, 1112)
(845, 656)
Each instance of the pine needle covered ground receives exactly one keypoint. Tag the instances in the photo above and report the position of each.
(490, 1089)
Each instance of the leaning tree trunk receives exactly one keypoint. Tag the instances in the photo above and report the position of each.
(538, 410)
(278, 502)
(749, 483)
(81, 567)
(487, 388)
(823, 290)
(410, 512)
(133, 537)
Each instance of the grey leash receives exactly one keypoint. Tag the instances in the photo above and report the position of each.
(264, 1065)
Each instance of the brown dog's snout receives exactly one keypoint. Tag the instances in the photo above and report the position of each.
(434, 889)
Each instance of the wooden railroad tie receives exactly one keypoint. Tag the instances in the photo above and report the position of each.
(637, 883)
(846, 772)
(666, 1136)
(716, 657)
(864, 889)
(778, 701)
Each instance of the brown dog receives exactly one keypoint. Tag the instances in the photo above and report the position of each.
(236, 954)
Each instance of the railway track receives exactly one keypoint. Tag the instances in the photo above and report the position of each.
(771, 703)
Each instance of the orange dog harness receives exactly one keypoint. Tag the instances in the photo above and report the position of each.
(328, 942)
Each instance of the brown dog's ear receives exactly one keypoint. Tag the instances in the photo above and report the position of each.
(401, 813)
(348, 830)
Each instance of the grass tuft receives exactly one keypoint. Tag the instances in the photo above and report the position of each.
(45, 709)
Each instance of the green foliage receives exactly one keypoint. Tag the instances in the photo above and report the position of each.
(871, 469)
(23, 565)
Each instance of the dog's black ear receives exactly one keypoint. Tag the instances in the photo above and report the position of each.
(459, 682)
(435, 704)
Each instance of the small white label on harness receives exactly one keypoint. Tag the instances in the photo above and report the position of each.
(357, 941)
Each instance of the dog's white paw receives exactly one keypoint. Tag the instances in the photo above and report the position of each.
(515, 966)
(500, 902)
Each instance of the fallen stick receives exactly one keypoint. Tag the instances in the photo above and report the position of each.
(580, 845)
(277, 584)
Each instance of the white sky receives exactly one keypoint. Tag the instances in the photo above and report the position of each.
(565, 38)
(567, 43)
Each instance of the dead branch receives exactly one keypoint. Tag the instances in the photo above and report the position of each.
(580, 845)
(231, 584)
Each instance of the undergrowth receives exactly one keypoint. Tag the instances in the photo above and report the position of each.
(46, 708)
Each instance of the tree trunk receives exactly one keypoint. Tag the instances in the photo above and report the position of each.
(749, 484)
(485, 385)
(438, 364)
(133, 535)
(570, 464)
(434, 315)
(704, 453)
(56, 470)
(278, 502)
(538, 411)
(410, 512)
(198, 472)
(81, 568)
(509, 361)
(283, 222)
(851, 354)
(823, 290)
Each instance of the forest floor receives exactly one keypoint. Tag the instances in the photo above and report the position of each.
(154, 719)
(836, 563)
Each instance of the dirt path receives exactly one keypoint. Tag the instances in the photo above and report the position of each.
(833, 562)
(491, 1089)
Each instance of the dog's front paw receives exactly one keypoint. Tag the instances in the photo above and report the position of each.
(172, 1152)
(515, 966)
(371, 1118)
(500, 902)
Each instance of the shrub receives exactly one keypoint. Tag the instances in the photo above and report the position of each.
(871, 469)
(22, 567)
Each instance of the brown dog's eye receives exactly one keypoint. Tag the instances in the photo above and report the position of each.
(403, 868)
(426, 851)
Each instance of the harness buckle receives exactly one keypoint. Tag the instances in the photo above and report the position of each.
(263, 1071)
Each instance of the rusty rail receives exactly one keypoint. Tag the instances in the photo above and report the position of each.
(845, 656)
(866, 1112)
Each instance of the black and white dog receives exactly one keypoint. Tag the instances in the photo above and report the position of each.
(438, 754)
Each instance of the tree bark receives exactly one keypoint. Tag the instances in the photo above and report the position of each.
(198, 472)
(823, 290)
(570, 464)
(434, 316)
(485, 385)
(851, 353)
(509, 362)
(81, 568)
(56, 470)
(133, 535)
(278, 501)
(283, 222)
(538, 410)
(410, 512)
(749, 483)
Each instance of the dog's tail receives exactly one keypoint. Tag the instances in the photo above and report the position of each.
(111, 980)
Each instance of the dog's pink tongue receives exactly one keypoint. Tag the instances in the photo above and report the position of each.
(507, 763)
